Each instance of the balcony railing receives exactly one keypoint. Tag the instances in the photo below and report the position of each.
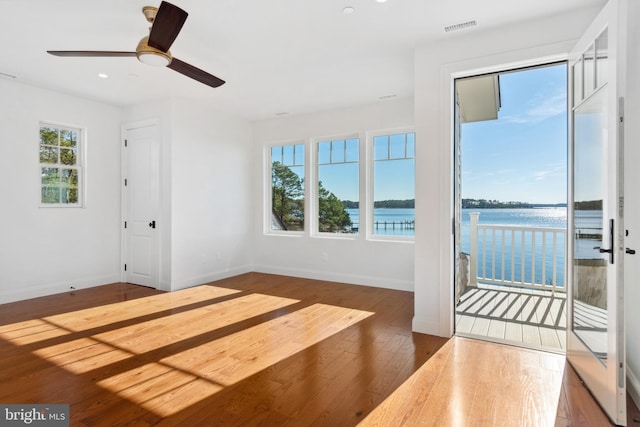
(525, 257)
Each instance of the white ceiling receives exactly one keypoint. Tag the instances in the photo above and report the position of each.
(277, 56)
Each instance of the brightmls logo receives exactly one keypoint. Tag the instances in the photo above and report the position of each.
(35, 415)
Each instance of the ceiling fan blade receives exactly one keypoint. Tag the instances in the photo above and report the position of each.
(89, 53)
(166, 26)
(195, 73)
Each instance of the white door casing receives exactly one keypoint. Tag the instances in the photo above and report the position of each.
(141, 197)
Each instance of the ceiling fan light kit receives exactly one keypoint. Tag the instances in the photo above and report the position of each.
(152, 56)
(166, 23)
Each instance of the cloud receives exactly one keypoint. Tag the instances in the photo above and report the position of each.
(541, 108)
(554, 170)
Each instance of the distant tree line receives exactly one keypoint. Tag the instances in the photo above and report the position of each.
(493, 204)
(392, 204)
(588, 205)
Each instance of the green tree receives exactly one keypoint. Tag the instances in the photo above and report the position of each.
(287, 196)
(332, 214)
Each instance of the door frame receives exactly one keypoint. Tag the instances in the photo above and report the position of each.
(524, 58)
(457, 186)
(124, 203)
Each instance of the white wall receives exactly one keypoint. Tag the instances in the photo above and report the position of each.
(212, 205)
(47, 250)
(434, 65)
(351, 260)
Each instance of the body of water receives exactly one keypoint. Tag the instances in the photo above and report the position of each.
(587, 223)
(383, 218)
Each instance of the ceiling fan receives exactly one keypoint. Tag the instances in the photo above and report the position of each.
(166, 22)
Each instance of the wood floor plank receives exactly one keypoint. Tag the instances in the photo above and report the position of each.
(266, 350)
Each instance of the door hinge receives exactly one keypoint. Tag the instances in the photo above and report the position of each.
(125, 224)
(125, 182)
(125, 142)
(125, 267)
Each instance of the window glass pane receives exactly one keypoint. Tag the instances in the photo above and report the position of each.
(602, 54)
(380, 147)
(48, 154)
(50, 176)
(287, 190)
(68, 138)
(337, 151)
(353, 150)
(68, 156)
(48, 136)
(411, 145)
(299, 154)
(287, 155)
(324, 152)
(394, 188)
(276, 154)
(50, 195)
(397, 147)
(69, 195)
(589, 71)
(577, 82)
(69, 177)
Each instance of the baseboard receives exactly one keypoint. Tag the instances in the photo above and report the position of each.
(56, 288)
(424, 326)
(352, 279)
(210, 277)
(633, 387)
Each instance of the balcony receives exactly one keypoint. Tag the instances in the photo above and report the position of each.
(511, 285)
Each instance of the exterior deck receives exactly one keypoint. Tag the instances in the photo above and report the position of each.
(533, 318)
(513, 291)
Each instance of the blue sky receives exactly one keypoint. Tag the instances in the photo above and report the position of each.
(522, 156)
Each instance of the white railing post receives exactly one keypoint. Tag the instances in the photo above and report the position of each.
(473, 249)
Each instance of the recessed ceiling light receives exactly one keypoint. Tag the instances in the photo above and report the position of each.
(348, 10)
(381, 1)
(103, 75)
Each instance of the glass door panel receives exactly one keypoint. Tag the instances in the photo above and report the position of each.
(590, 234)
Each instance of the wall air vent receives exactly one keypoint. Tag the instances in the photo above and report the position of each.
(460, 26)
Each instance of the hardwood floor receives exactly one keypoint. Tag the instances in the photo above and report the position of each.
(271, 350)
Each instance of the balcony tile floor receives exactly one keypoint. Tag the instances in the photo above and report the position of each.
(527, 317)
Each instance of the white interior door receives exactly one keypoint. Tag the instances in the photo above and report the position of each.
(142, 199)
(595, 339)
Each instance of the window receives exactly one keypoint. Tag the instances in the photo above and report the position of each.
(393, 184)
(287, 187)
(338, 185)
(60, 166)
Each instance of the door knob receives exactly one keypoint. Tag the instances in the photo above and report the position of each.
(152, 224)
(630, 251)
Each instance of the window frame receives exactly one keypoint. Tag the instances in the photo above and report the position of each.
(315, 193)
(80, 166)
(371, 135)
(268, 229)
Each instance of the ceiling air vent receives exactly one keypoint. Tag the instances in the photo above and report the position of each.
(460, 26)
